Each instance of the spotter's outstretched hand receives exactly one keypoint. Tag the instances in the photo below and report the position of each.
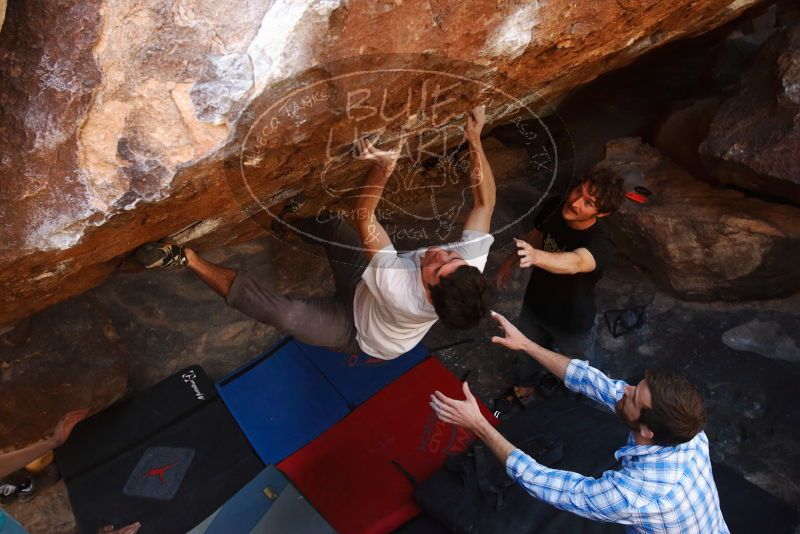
(512, 338)
(464, 413)
(527, 254)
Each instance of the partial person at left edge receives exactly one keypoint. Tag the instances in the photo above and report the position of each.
(16, 461)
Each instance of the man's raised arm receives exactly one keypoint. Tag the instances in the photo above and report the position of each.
(373, 235)
(515, 340)
(484, 191)
(582, 379)
(534, 238)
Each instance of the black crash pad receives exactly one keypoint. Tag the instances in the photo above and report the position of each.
(166, 458)
(108, 433)
(562, 433)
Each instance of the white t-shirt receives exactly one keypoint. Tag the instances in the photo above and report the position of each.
(390, 309)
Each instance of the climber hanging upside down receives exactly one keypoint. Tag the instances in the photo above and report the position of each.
(385, 302)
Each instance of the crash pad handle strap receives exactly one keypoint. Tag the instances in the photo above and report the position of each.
(405, 473)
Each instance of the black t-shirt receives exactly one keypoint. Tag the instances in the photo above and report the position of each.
(566, 301)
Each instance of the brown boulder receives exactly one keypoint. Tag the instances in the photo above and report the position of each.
(125, 122)
(699, 241)
(754, 139)
(60, 360)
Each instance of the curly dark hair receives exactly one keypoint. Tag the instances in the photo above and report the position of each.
(607, 186)
(678, 412)
(462, 298)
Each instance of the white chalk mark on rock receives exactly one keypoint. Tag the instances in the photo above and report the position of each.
(515, 34)
(282, 46)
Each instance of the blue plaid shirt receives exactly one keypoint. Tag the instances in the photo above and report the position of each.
(657, 489)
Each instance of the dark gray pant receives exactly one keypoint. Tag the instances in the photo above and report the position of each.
(322, 321)
(578, 345)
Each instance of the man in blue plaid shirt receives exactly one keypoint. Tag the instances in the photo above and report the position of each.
(665, 482)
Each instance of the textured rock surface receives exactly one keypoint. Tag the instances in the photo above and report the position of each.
(120, 119)
(701, 242)
(63, 360)
(754, 139)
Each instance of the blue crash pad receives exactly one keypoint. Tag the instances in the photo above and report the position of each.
(281, 401)
(268, 503)
(358, 377)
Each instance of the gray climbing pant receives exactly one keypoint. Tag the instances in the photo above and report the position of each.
(321, 321)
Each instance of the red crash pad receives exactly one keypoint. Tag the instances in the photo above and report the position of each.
(352, 473)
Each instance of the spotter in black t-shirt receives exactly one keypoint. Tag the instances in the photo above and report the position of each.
(566, 301)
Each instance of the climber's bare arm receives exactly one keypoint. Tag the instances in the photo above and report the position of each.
(484, 191)
(373, 235)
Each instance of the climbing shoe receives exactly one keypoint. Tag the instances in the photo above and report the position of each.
(154, 255)
(17, 484)
(292, 206)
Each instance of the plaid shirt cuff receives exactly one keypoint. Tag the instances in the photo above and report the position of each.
(518, 462)
(576, 370)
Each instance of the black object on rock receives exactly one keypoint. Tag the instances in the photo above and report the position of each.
(620, 322)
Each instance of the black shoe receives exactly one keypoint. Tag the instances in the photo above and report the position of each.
(292, 206)
(13, 487)
(38, 482)
(514, 400)
(154, 255)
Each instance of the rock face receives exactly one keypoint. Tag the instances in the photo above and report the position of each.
(754, 139)
(702, 242)
(67, 359)
(123, 122)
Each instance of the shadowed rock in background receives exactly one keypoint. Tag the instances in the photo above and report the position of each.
(702, 242)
